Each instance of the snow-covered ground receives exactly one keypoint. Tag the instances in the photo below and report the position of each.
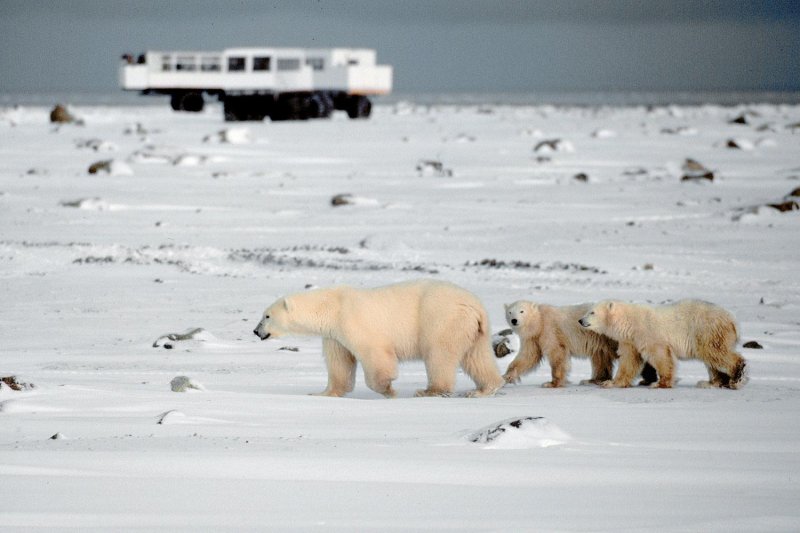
(196, 223)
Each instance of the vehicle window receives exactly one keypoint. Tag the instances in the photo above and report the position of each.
(288, 63)
(210, 64)
(317, 63)
(166, 63)
(236, 64)
(185, 63)
(261, 63)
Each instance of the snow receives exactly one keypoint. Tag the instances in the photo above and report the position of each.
(208, 228)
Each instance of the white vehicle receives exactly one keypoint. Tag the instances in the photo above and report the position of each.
(254, 83)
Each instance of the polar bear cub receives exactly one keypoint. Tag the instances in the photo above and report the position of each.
(660, 335)
(553, 332)
(442, 324)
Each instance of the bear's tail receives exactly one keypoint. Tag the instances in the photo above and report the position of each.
(479, 360)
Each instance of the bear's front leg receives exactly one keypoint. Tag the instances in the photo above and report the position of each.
(602, 361)
(379, 372)
(559, 367)
(664, 361)
(630, 364)
(716, 379)
(527, 359)
(341, 366)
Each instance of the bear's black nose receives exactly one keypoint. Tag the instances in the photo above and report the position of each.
(255, 331)
(513, 321)
(582, 322)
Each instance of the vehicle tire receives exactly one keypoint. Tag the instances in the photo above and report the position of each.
(192, 102)
(231, 110)
(321, 105)
(359, 107)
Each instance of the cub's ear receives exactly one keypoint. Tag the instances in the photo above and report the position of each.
(287, 304)
(506, 306)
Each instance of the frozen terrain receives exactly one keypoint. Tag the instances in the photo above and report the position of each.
(194, 223)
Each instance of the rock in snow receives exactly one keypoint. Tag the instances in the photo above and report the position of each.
(520, 433)
(185, 383)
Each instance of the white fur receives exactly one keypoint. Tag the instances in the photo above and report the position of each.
(438, 322)
(660, 335)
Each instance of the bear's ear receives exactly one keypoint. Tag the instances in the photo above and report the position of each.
(287, 304)
(506, 306)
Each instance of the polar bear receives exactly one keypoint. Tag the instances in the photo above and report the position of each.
(659, 335)
(438, 322)
(553, 332)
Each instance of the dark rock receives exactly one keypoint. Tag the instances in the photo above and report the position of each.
(752, 345)
(795, 192)
(60, 115)
(788, 205)
(741, 119)
(431, 167)
(581, 177)
(15, 384)
(700, 176)
(98, 166)
(691, 165)
(342, 199)
(289, 349)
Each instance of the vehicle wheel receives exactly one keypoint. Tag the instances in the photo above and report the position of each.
(321, 105)
(192, 102)
(359, 107)
(232, 110)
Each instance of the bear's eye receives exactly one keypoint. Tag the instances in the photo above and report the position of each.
(266, 317)
(521, 311)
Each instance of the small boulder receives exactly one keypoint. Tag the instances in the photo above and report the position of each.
(501, 343)
(184, 384)
(14, 384)
(581, 176)
(788, 205)
(753, 345)
(342, 199)
(520, 433)
(741, 119)
(430, 167)
(60, 115)
(548, 146)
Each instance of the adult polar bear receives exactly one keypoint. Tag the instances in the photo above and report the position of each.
(438, 322)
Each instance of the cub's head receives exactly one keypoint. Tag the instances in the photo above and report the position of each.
(276, 321)
(524, 318)
(600, 317)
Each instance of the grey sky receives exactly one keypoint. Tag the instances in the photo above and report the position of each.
(434, 45)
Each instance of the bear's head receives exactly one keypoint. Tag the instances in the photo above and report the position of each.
(524, 318)
(276, 320)
(600, 317)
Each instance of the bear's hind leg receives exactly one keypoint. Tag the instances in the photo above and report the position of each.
(341, 369)
(479, 365)
(441, 376)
